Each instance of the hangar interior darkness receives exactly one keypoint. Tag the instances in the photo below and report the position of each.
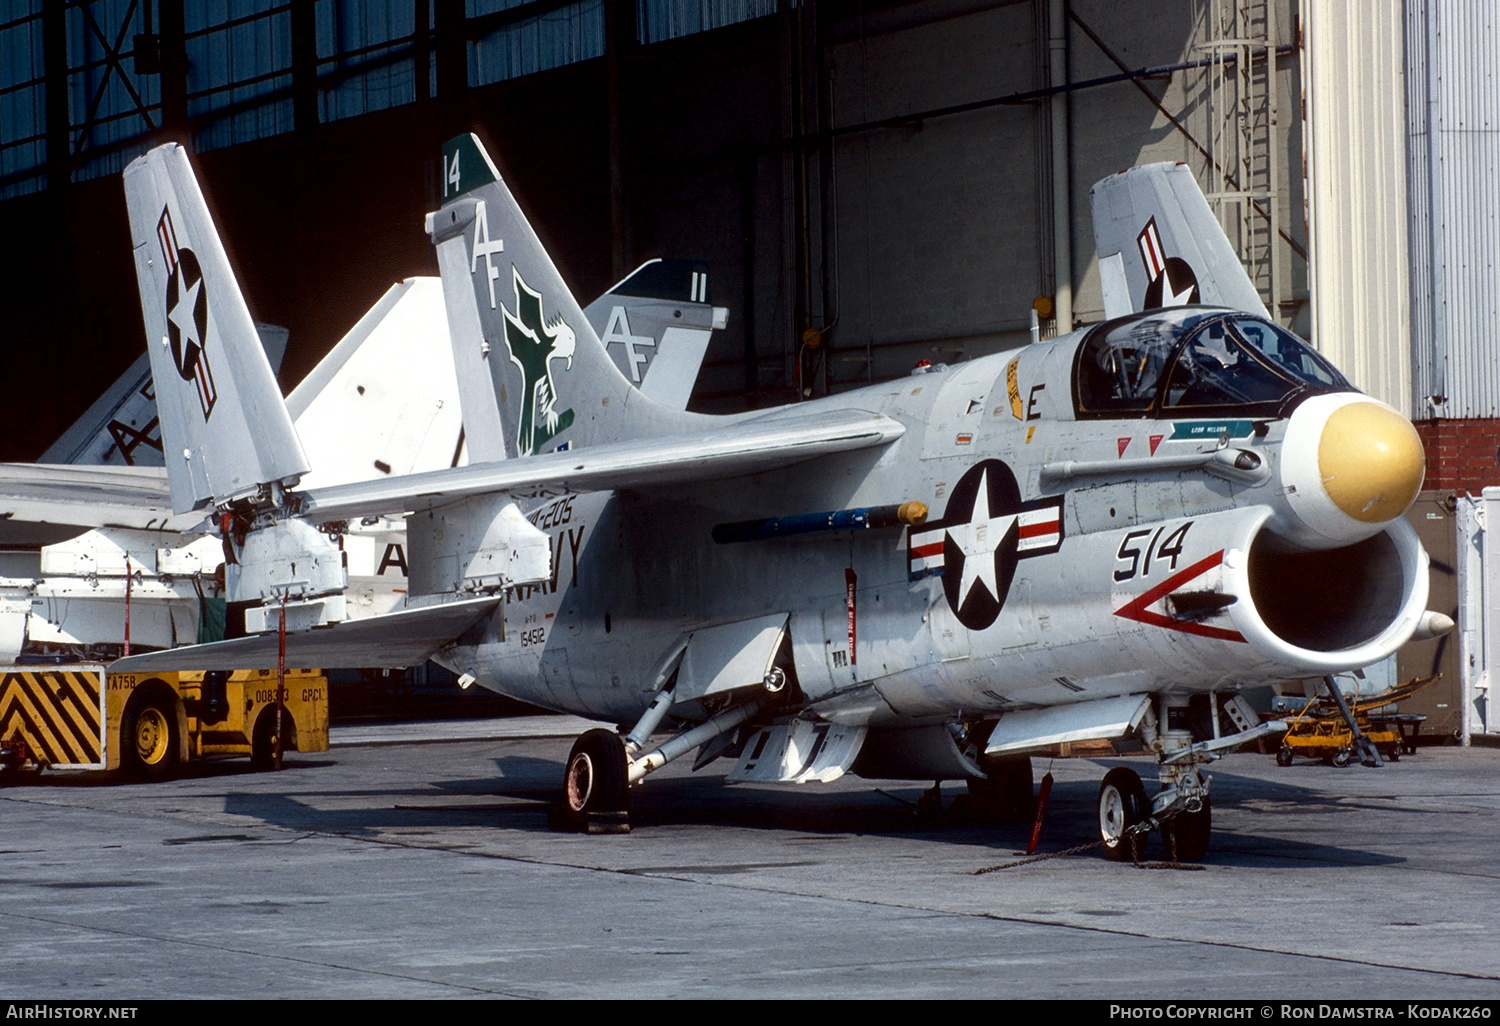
(872, 182)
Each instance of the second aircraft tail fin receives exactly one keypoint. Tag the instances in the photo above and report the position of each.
(656, 326)
(224, 428)
(514, 321)
(1160, 244)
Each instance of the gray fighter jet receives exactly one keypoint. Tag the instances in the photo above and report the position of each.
(1099, 536)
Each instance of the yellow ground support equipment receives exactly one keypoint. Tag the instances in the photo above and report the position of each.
(144, 725)
(1319, 730)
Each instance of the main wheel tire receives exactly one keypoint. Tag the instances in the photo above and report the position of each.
(594, 780)
(262, 738)
(1186, 834)
(1284, 756)
(1122, 805)
(149, 739)
(1008, 791)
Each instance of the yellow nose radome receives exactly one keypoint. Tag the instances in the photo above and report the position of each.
(1349, 465)
(1371, 461)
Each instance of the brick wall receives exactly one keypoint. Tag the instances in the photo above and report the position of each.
(1462, 455)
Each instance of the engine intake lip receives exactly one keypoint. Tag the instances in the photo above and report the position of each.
(1318, 611)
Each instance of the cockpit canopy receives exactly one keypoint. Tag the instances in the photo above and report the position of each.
(1186, 361)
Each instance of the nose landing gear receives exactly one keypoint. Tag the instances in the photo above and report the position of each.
(1181, 809)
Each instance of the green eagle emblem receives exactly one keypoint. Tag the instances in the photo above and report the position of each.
(533, 346)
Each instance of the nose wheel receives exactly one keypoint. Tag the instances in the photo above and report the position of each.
(1122, 807)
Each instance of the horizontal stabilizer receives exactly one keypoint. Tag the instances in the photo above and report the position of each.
(407, 638)
(743, 448)
(136, 497)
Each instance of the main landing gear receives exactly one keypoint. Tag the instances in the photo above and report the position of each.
(603, 765)
(595, 796)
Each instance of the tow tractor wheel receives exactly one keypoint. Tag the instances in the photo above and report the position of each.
(263, 739)
(1186, 834)
(595, 785)
(148, 739)
(1122, 804)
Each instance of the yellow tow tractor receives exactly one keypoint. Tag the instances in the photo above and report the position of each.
(80, 717)
(1321, 729)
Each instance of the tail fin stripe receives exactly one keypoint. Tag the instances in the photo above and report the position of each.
(166, 235)
(1151, 253)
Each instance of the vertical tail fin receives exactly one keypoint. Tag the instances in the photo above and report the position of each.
(225, 430)
(384, 399)
(121, 428)
(656, 326)
(1160, 245)
(554, 386)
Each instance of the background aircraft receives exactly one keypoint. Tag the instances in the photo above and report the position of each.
(383, 402)
(926, 578)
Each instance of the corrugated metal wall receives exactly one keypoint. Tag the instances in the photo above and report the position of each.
(239, 73)
(660, 20)
(548, 40)
(1453, 119)
(240, 69)
(1356, 171)
(364, 57)
(23, 144)
(110, 101)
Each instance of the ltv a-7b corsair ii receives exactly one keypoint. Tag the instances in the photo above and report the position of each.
(1098, 536)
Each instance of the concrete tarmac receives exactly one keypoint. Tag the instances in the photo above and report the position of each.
(417, 863)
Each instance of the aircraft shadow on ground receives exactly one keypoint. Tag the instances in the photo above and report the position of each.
(525, 786)
(204, 770)
(382, 811)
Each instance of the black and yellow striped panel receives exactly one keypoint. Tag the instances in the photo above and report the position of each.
(59, 712)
